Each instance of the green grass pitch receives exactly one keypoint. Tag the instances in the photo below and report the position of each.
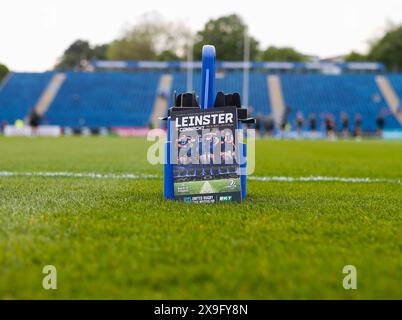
(118, 238)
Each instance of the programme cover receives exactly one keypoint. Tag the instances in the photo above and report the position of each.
(205, 155)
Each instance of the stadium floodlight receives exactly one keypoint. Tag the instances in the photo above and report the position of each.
(246, 68)
(205, 161)
(190, 66)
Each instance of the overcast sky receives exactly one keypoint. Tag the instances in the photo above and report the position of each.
(34, 33)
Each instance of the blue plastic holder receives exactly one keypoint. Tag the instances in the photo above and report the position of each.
(207, 100)
(208, 77)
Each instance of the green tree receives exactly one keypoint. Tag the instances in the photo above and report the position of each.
(388, 49)
(152, 38)
(168, 55)
(282, 54)
(80, 51)
(227, 35)
(355, 57)
(3, 71)
(74, 54)
(99, 52)
(135, 45)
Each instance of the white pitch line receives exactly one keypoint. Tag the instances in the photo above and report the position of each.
(132, 176)
(324, 179)
(91, 175)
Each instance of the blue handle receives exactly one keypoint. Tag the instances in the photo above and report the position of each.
(208, 77)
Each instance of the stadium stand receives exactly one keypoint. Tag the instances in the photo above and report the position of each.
(135, 99)
(229, 82)
(277, 101)
(396, 81)
(20, 93)
(49, 93)
(105, 99)
(333, 94)
(162, 101)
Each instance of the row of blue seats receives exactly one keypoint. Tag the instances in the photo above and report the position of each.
(333, 94)
(396, 81)
(20, 92)
(309, 93)
(126, 99)
(105, 99)
(229, 82)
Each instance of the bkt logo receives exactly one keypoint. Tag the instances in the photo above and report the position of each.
(225, 198)
(187, 199)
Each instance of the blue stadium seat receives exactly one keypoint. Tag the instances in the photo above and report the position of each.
(105, 99)
(396, 81)
(20, 93)
(110, 99)
(321, 94)
(229, 82)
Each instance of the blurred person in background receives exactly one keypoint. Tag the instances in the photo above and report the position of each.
(345, 125)
(380, 123)
(34, 120)
(285, 117)
(313, 124)
(269, 125)
(330, 126)
(285, 125)
(3, 126)
(258, 125)
(299, 123)
(19, 124)
(358, 126)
